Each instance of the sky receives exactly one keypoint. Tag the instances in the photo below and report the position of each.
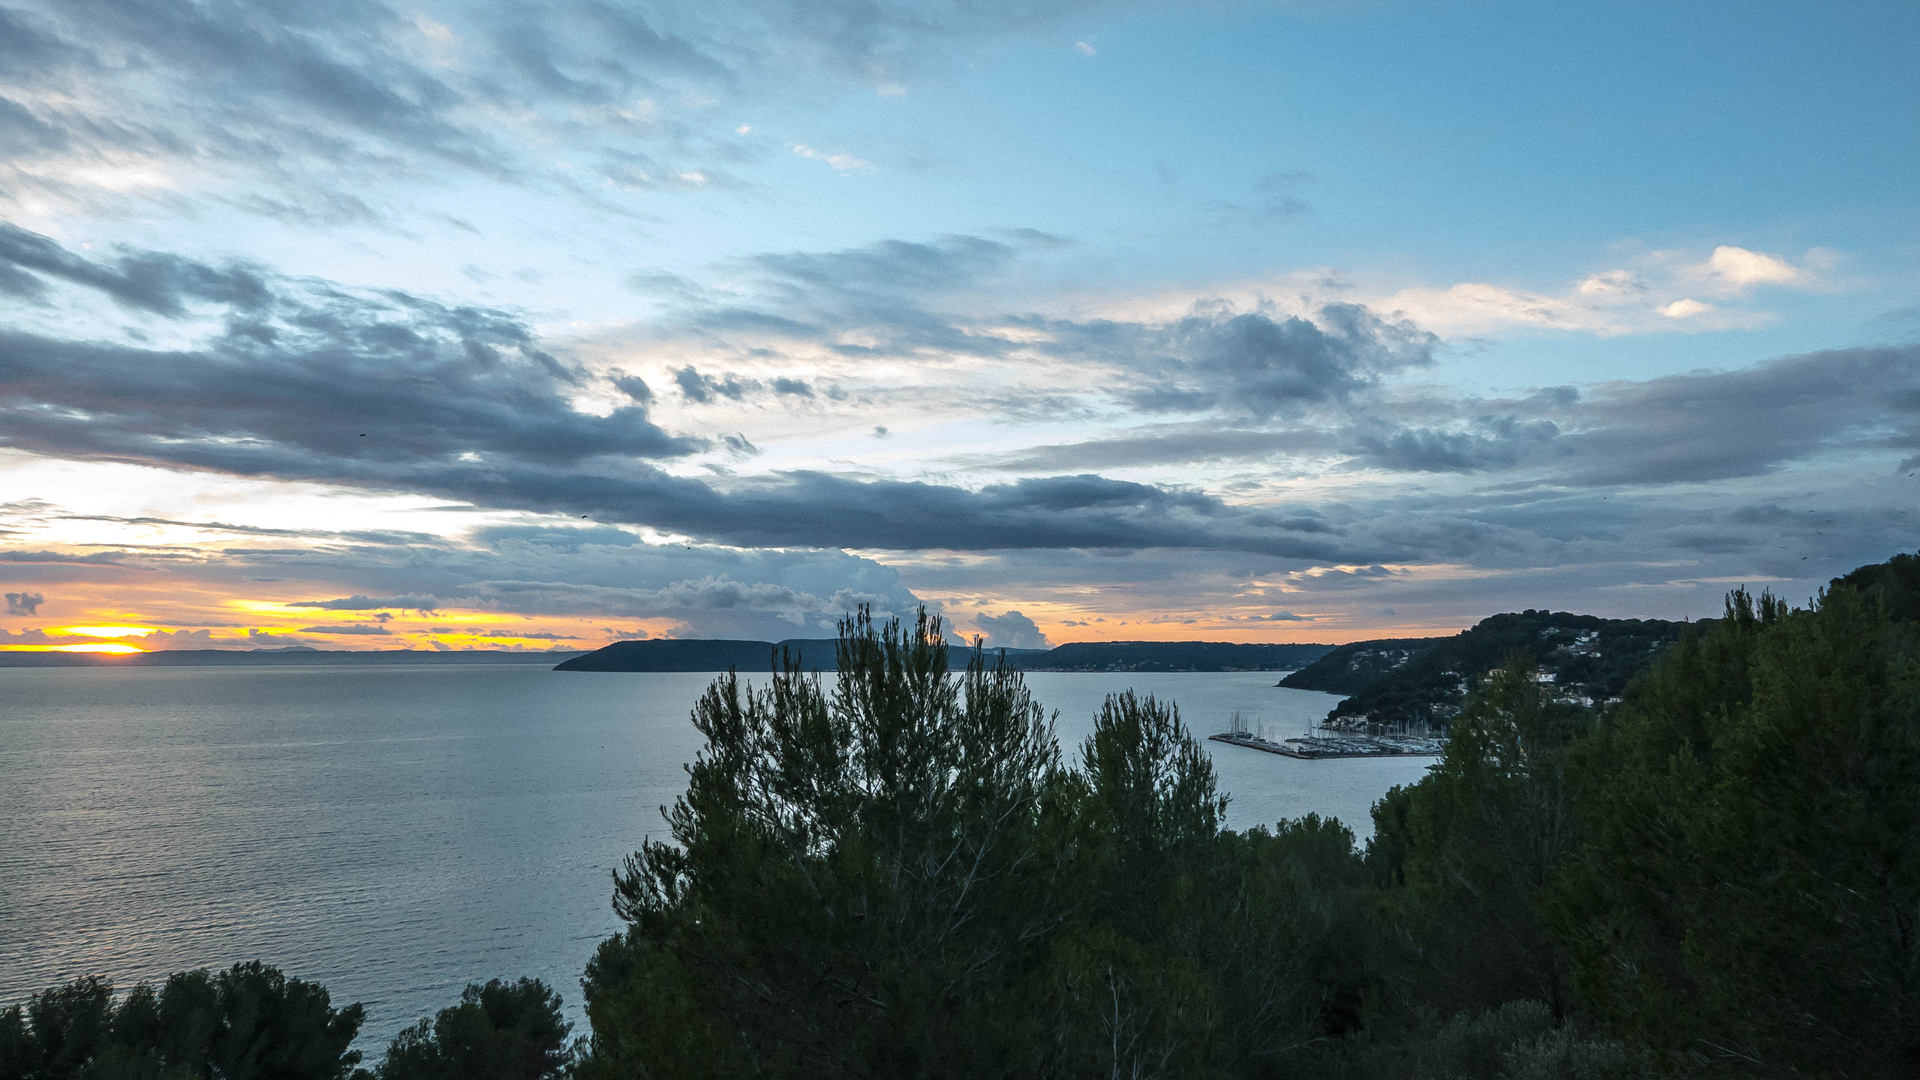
(445, 325)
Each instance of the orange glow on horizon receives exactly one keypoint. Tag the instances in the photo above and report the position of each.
(104, 631)
(107, 647)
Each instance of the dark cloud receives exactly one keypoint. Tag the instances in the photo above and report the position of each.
(886, 300)
(1170, 445)
(1287, 616)
(355, 630)
(1488, 443)
(388, 391)
(392, 391)
(323, 380)
(149, 281)
(1715, 426)
(705, 389)
(1693, 428)
(634, 387)
(24, 603)
(1270, 365)
(22, 556)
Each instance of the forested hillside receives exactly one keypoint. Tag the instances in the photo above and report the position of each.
(1400, 683)
(1351, 669)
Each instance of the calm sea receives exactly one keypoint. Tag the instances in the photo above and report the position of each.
(398, 832)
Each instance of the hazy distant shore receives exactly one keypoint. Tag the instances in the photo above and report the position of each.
(715, 655)
(278, 658)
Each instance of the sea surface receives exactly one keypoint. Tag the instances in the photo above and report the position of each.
(395, 833)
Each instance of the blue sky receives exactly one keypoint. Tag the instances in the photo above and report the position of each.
(1252, 322)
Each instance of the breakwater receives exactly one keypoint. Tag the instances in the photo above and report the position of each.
(1314, 747)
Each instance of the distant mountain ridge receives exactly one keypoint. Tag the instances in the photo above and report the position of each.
(700, 654)
(684, 654)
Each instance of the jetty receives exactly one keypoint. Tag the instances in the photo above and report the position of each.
(1313, 747)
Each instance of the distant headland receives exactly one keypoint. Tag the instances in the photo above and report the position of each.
(295, 656)
(711, 655)
(681, 654)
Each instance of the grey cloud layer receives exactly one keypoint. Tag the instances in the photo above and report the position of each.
(892, 299)
(148, 281)
(305, 380)
(1269, 365)
(1692, 428)
(1272, 385)
(392, 391)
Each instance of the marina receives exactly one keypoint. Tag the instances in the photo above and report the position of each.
(1311, 747)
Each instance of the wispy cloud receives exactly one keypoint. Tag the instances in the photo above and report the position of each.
(840, 160)
(317, 114)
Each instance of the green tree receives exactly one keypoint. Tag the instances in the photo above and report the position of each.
(1750, 898)
(500, 1031)
(1463, 855)
(855, 878)
(249, 1022)
(1150, 815)
(898, 877)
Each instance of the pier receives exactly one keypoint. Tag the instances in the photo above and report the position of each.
(1315, 747)
(1311, 747)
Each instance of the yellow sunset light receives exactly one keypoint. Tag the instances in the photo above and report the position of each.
(113, 648)
(105, 631)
